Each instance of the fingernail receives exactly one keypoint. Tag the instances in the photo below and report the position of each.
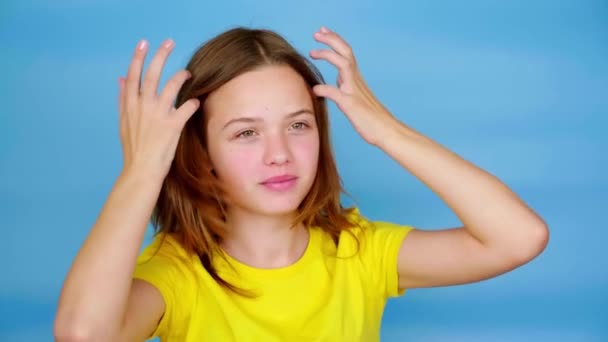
(168, 43)
(324, 29)
(142, 45)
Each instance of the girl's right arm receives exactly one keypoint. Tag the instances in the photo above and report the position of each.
(98, 287)
(99, 300)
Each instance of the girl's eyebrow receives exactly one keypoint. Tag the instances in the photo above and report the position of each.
(250, 119)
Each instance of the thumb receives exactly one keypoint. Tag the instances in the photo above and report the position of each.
(121, 95)
(187, 109)
(329, 92)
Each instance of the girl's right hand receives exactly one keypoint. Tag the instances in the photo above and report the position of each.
(150, 125)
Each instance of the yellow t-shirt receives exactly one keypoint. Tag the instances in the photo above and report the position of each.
(324, 296)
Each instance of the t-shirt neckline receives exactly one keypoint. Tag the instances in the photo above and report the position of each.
(305, 259)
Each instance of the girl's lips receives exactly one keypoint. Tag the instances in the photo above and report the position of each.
(280, 183)
(279, 179)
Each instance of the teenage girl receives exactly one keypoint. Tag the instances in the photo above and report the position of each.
(232, 161)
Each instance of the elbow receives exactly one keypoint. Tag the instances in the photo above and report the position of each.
(65, 328)
(77, 334)
(63, 333)
(533, 244)
(69, 330)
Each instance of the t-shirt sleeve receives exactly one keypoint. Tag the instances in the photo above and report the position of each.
(386, 242)
(161, 265)
(380, 250)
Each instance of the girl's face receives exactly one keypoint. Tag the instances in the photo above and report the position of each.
(263, 139)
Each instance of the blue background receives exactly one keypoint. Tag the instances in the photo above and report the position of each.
(520, 88)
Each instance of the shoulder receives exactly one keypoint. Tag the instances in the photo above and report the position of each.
(371, 236)
(163, 245)
(374, 246)
(368, 229)
(164, 262)
(166, 265)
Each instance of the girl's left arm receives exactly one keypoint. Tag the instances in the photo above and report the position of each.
(499, 233)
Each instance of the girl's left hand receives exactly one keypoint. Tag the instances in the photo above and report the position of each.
(354, 98)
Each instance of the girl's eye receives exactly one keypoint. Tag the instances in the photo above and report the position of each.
(246, 134)
(299, 125)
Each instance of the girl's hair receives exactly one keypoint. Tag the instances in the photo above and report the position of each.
(191, 205)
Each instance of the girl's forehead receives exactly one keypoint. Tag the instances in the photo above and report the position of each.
(275, 78)
(270, 91)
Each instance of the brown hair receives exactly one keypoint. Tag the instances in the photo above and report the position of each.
(191, 204)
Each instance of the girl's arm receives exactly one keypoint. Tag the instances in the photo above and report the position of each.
(499, 231)
(99, 299)
(97, 288)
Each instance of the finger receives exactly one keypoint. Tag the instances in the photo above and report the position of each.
(334, 41)
(169, 93)
(152, 76)
(187, 109)
(343, 64)
(329, 92)
(134, 75)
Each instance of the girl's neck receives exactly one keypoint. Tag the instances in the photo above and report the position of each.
(264, 241)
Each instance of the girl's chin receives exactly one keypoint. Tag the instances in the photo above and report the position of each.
(274, 206)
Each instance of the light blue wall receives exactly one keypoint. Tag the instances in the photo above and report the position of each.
(518, 87)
